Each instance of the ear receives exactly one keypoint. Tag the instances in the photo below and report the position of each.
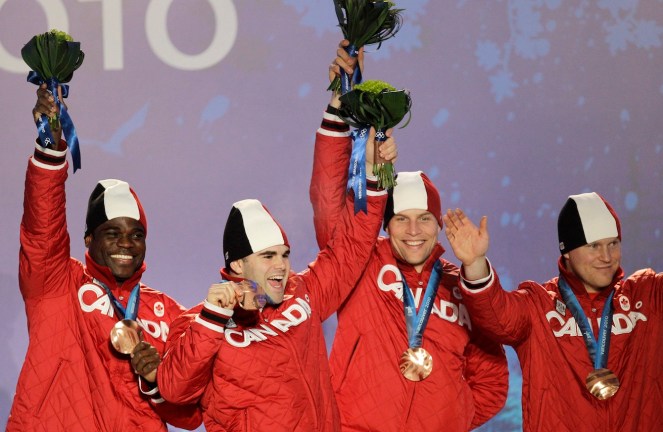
(237, 267)
(88, 239)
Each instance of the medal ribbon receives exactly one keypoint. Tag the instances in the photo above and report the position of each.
(416, 322)
(357, 169)
(598, 350)
(131, 310)
(68, 128)
(348, 82)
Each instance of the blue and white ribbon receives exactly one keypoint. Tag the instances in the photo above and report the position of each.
(67, 123)
(357, 169)
(597, 348)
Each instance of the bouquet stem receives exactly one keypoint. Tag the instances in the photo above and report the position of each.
(382, 169)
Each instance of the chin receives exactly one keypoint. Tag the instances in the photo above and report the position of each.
(274, 301)
(415, 262)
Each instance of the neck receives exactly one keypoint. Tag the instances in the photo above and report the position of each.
(593, 291)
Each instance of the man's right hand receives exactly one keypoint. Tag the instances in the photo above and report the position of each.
(227, 294)
(348, 63)
(46, 106)
(223, 294)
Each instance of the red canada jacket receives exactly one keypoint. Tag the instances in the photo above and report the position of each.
(72, 379)
(469, 381)
(555, 361)
(268, 371)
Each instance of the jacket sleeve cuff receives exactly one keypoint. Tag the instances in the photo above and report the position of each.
(332, 125)
(150, 389)
(214, 317)
(476, 286)
(50, 159)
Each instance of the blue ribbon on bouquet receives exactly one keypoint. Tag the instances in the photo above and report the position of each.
(68, 128)
(347, 81)
(357, 169)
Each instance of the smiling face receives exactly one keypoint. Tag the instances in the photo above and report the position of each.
(118, 244)
(269, 268)
(413, 235)
(595, 264)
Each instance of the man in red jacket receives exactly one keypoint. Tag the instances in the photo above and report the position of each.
(260, 363)
(406, 356)
(589, 340)
(72, 378)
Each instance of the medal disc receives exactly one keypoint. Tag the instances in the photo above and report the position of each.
(602, 383)
(416, 364)
(125, 335)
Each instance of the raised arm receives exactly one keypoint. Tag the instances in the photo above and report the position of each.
(341, 262)
(44, 253)
(329, 177)
(501, 315)
(331, 157)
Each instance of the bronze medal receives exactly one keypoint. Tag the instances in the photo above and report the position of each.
(125, 335)
(416, 364)
(602, 383)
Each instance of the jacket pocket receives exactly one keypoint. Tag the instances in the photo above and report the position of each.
(347, 370)
(51, 385)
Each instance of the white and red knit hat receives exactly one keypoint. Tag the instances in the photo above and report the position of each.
(584, 219)
(413, 190)
(111, 199)
(250, 228)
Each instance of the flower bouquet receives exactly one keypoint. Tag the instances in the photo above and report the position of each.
(53, 57)
(364, 22)
(378, 104)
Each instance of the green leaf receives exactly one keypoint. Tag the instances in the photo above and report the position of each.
(374, 103)
(53, 55)
(366, 22)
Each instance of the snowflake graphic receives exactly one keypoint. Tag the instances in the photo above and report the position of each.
(526, 41)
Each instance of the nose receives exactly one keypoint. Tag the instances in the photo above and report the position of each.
(605, 253)
(413, 227)
(279, 262)
(124, 241)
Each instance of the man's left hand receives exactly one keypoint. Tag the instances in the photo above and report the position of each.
(145, 359)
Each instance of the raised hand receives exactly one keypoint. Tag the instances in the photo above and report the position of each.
(468, 242)
(347, 63)
(387, 152)
(45, 105)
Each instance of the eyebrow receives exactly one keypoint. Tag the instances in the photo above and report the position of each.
(117, 228)
(273, 253)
